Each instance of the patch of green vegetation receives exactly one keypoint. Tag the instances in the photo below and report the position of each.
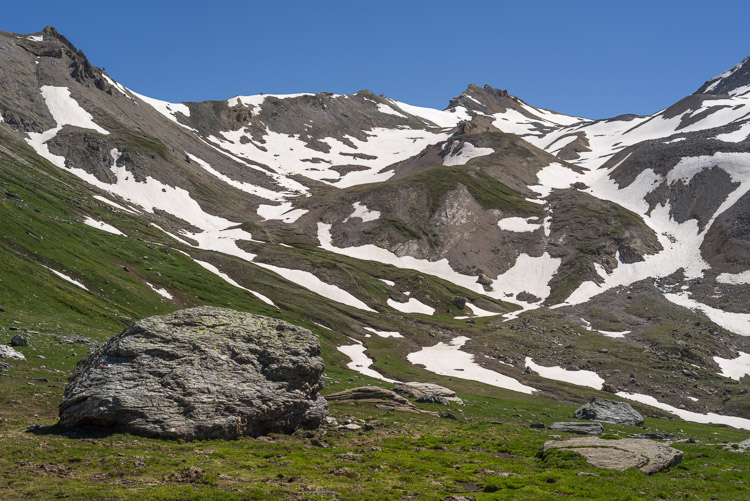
(150, 144)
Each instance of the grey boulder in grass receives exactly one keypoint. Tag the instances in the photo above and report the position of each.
(200, 373)
(609, 411)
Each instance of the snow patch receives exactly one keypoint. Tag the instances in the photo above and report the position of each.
(449, 360)
(362, 212)
(385, 334)
(518, 224)
(360, 362)
(579, 378)
(411, 306)
(734, 368)
(161, 292)
(100, 225)
(695, 417)
(461, 153)
(65, 111)
(216, 271)
(739, 323)
(734, 278)
(284, 212)
(67, 278)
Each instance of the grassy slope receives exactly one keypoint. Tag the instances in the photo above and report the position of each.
(40, 210)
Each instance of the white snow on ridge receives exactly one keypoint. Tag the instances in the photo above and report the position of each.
(288, 155)
(216, 271)
(449, 360)
(733, 421)
(67, 278)
(411, 306)
(100, 225)
(65, 111)
(384, 108)
(360, 362)
(284, 212)
(169, 110)
(736, 136)
(461, 153)
(580, 378)
(734, 368)
(161, 292)
(441, 118)
(362, 212)
(258, 99)
(35, 38)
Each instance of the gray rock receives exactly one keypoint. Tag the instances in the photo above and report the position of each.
(578, 427)
(655, 436)
(609, 411)
(415, 390)
(8, 352)
(349, 427)
(431, 398)
(19, 340)
(648, 456)
(200, 373)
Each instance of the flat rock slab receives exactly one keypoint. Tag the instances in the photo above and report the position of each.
(578, 427)
(648, 456)
(200, 373)
(416, 389)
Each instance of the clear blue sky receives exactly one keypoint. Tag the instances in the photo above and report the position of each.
(590, 58)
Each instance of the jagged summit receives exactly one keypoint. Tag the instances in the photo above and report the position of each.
(734, 82)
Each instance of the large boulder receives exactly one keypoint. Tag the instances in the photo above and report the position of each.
(200, 373)
(416, 389)
(609, 411)
(646, 455)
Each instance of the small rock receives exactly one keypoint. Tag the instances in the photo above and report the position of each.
(349, 427)
(19, 340)
(447, 415)
(431, 398)
(655, 436)
(537, 425)
(8, 352)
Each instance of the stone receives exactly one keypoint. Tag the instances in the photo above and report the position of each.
(578, 427)
(8, 352)
(447, 415)
(647, 455)
(609, 411)
(349, 427)
(459, 302)
(200, 373)
(19, 340)
(655, 436)
(415, 390)
(483, 279)
(382, 398)
(431, 398)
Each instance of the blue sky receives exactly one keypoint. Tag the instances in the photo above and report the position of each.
(588, 58)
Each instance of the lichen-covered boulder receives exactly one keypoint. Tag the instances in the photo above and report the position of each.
(609, 411)
(200, 373)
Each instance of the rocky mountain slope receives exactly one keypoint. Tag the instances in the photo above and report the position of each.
(492, 241)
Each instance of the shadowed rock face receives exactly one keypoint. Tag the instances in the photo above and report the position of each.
(200, 373)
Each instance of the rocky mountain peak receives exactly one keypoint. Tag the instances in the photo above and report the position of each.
(735, 81)
(485, 99)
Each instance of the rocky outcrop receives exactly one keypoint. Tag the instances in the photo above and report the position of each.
(577, 427)
(200, 373)
(381, 397)
(646, 455)
(416, 390)
(609, 411)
